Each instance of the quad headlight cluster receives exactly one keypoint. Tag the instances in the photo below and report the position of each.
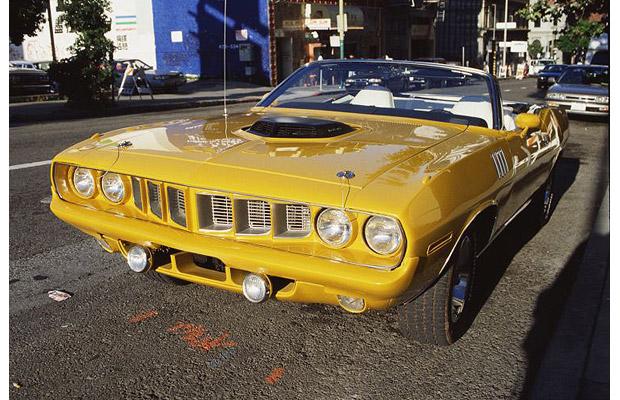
(382, 234)
(112, 184)
(556, 96)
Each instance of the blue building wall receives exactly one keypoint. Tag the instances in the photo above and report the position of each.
(201, 22)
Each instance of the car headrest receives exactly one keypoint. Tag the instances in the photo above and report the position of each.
(474, 106)
(374, 97)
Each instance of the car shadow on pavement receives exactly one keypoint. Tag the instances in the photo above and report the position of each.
(492, 264)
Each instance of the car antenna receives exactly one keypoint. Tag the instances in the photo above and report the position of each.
(225, 50)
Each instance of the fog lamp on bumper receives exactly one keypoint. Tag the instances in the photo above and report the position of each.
(256, 288)
(352, 304)
(139, 258)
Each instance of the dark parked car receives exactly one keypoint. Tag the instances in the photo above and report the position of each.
(159, 81)
(549, 75)
(27, 81)
(581, 89)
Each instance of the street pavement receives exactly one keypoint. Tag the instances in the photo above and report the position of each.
(123, 336)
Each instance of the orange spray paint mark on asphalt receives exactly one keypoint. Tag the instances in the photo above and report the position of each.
(274, 376)
(194, 336)
(143, 316)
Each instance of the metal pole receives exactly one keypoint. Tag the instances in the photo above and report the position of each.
(49, 17)
(494, 19)
(341, 27)
(463, 56)
(225, 51)
(505, 36)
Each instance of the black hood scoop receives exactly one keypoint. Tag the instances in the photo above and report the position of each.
(298, 128)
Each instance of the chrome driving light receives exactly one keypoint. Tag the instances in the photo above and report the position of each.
(139, 258)
(113, 187)
(256, 288)
(84, 182)
(352, 304)
(334, 227)
(383, 234)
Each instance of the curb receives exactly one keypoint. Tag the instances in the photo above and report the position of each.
(68, 114)
(563, 368)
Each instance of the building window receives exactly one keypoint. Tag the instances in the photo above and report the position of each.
(537, 23)
(58, 25)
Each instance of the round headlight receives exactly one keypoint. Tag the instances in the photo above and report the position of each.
(84, 182)
(383, 234)
(113, 187)
(602, 99)
(334, 227)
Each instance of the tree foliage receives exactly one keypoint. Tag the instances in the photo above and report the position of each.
(25, 18)
(86, 77)
(579, 29)
(535, 49)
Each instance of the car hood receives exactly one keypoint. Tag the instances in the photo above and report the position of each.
(221, 155)
(579, 89)
(549, 74)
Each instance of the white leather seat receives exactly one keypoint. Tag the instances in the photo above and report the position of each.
(474, 106)
(374, 97)
(509, 119)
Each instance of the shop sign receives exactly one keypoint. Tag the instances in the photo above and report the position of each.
(518, 46)
(292, 24)
(334, 41)
(319, 24)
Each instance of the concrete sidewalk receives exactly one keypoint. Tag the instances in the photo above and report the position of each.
(576, 363)
(200, 93)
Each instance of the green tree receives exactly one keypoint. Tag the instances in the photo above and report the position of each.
(535, 49)
(578, 30)
(25, 18)
(86, 77)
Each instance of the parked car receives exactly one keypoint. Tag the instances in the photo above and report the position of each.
(28, 81)
(581, 89)
(365, 198)
(548, 75)
(159, 81)
(537, 65)
(22, 64)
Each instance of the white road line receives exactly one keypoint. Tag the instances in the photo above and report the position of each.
(29, 165)
(507, 90)
(523, 87)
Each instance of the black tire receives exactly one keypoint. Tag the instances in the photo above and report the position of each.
(161, 278)
(431, 319)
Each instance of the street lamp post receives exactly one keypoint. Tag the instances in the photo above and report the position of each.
(341, 26)
(505, 36)
(49, 18)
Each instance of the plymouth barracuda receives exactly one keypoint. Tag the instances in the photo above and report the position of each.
(325, 192)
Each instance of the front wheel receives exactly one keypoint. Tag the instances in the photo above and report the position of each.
(438, 316)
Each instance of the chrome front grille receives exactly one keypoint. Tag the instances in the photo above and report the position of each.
(585, 98)
(221, 209)
(252, 217)
(214, 212)
(154, 192)
(259, 215)
(297, 218)
(176, 201)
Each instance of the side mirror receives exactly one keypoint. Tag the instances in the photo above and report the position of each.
(528, 121)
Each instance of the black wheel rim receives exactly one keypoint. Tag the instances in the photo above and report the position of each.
(547, 199)
(461, 278)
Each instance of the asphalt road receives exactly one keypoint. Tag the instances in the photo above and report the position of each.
(123, 336)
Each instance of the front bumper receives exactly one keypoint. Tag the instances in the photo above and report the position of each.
(312, 279)
(570, 107)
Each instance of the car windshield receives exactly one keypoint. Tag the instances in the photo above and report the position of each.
(554, 68)
(585, 76)
(389, 88)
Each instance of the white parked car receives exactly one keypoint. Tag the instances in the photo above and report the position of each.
(537, 65)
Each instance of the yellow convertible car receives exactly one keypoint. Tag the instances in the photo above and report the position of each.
(359, 183)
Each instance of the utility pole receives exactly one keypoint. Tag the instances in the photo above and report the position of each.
(49, 18)
(341, 27)
(505, 36)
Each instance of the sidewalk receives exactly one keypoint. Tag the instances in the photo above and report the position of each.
(200, 93)
(576, 363)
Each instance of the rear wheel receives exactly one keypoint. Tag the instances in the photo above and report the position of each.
(438, 316)
(543, 199)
